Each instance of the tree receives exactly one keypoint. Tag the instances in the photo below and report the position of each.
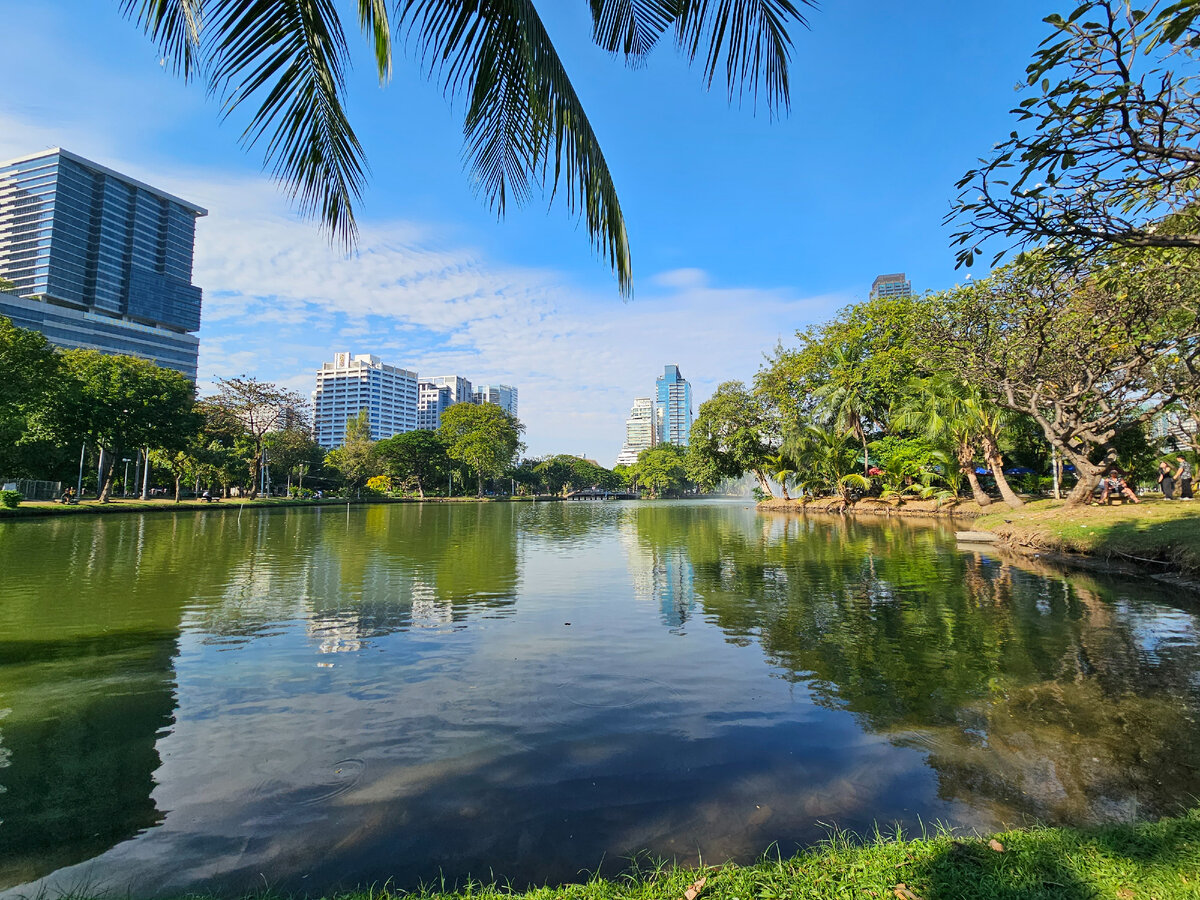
(1087, 354)
(660, 470)
(944, 408)
(1110, 154)
(826, 461)
(355, 460)
(417, 455)
(254, 408)
(181, 463)
(483, 437)
(731, 436)
(123, 402)
(31, 371)
(523, 118)
(293, 450)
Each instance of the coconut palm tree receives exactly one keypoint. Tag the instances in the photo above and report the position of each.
(524, 125)
(781, 468)
(842, 401)
(944, 408)
(826, 460)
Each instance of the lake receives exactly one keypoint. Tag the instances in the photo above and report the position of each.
(321, 697)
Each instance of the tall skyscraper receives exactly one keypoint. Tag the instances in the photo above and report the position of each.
(352, 383)
(673, 407)
(432, 401)
(895, 285)
(640, 431)
(460, 387)
(99, 260)
(502, 395)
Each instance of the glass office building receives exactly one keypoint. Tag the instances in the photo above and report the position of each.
(80, 237)
(502, 395)
(894, 285)
(673, 407)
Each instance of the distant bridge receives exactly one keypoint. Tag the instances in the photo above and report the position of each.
(598, 494)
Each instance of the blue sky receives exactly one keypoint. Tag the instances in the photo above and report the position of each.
(743, 229)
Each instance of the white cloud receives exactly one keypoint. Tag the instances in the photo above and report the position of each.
(279, 301)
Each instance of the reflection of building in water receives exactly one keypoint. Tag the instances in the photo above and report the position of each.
(661, 575)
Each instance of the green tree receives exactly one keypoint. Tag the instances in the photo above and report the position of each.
(731, 436)
(252, 408)
(660, 470)
(122, 402)
(1104, 149)
(31, 373)
(483, 437)
(287, 62)
(419, 456)
(293, 450)
(356, 460)
(1088, 353)
(826, 461)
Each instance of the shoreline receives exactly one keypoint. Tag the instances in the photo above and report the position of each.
(1159, 859)
(917, 509)
(40, 509)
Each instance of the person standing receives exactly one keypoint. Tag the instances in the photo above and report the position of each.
(1184, 477)
(1166, 480)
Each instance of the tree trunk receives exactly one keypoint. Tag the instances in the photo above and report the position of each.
(420, 487)
(996, 463)
(966, 464)
(146, 474)
(1087, 474)
(783, 488)
(764, 482)
(479, 484)
(110, 460)
(178, 478)
(255, 473)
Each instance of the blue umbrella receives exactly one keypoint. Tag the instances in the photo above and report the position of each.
(1018, 470)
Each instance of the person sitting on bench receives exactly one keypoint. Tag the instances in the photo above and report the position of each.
(1114, 483)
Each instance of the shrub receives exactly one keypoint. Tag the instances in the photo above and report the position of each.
(10, 499)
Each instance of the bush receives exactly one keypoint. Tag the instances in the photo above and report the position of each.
(10, 499)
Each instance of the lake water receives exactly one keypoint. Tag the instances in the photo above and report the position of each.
(316, 698)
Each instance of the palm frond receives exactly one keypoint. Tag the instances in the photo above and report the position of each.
(749, 39)
(631, 28)
(523, 115)
(175, 25)
(373, 19)
(293, 53)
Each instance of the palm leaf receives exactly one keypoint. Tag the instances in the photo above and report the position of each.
(174, 25)
(293, 54)
(523, 115)
(632, 27)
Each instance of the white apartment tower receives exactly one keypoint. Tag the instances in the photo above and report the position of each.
(460, 388)
(352, 383)
(432, 401)
(502, 395)
(640, 431)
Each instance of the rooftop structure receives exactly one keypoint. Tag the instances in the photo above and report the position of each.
(895, 285)
(502, 395)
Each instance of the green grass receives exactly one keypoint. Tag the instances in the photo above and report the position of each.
(1156, 529)
(1158, 860)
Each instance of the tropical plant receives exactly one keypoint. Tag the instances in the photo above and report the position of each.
(780, 467)
(417, 456)
(524, 126)
(483, 437)
(252, 409)
(355, 460)
(660, 470)
(730, 437)
(826, 461)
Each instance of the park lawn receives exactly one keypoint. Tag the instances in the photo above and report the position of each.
(1159, 860)
(1163, 531)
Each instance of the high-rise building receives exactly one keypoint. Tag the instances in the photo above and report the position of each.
(895, 285)
(352, 383)
(99, 260)
(673, 407)
(459, 386)
(640, 431)
(432, 401)
(502, 395)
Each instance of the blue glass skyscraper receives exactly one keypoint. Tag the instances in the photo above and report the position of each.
(673, 407)
(81, 241)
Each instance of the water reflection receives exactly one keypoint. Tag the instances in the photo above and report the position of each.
(320, 698)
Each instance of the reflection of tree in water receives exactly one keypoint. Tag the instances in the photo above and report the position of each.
(86, 688)
(1033, 693)
(378, 571)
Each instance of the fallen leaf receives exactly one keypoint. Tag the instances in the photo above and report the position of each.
(901, 890)
(1125, 894)
(996, 845)
(695, 888)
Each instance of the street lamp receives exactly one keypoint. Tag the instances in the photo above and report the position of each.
(125, 480)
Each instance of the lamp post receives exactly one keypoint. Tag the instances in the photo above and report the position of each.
(125, 480)
(79, 486)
